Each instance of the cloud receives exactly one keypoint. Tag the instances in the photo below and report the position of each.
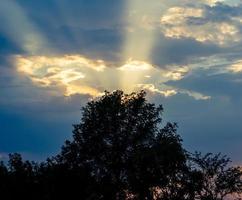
(176, 73)
(88, 28)
(100, 64)
(60, 72)
(195, 95)
(212, 2)
(76, 74)
(172, 91)
(153, 89)
(199, 24)
(222, 86)
(134, 65)
(183, 51)
(236, 67)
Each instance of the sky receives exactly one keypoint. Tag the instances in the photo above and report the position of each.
(55, 55)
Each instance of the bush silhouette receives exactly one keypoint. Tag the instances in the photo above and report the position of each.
(120, 150)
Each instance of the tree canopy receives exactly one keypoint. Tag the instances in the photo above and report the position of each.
(121, 150)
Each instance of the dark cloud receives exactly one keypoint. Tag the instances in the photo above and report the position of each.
(92, 28)
(168, 51)
(217, 85)
(81, 13)
(103, 44)
(222, 12)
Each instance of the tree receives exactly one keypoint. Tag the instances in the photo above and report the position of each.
(22, 180)
(121, 151)
(120, 142)
(3, 178)
(217, 180)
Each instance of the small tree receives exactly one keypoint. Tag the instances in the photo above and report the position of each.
(217, 180)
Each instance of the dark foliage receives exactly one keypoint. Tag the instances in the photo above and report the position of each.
(120, 151)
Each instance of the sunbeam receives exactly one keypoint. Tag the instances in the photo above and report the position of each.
(69, 74)
(22, 31)
(141, 18)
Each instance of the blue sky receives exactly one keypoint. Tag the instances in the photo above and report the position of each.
(55, 55)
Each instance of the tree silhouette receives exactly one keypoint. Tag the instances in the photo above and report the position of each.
(217, 180)
(120, 150)
(120, 142)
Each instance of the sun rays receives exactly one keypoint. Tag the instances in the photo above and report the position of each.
(140, 17)
(70, 74)
(22, 31)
